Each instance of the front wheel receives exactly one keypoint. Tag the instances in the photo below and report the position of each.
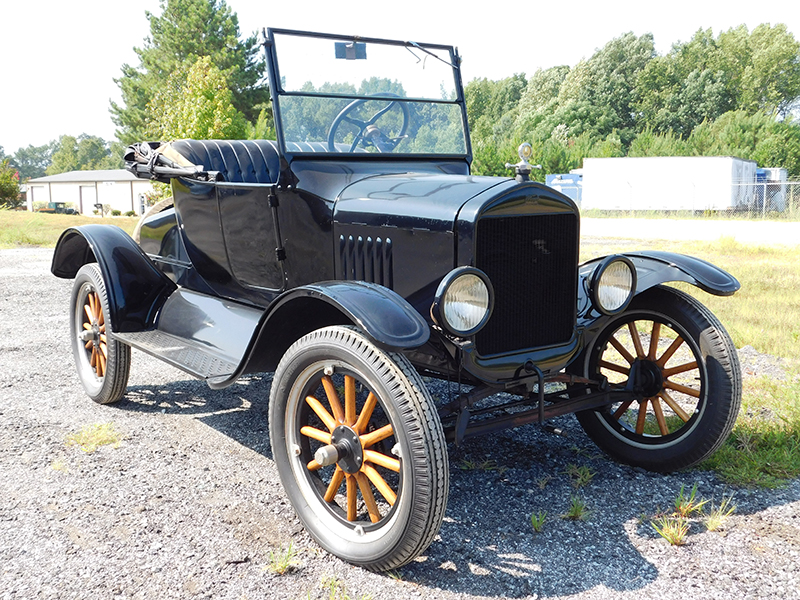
(359, 448)
(688, 379)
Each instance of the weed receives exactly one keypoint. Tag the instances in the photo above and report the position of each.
(543, 481)
(578, 510)
(59, 465)
(483, 465)
(580, 476)
(336, 589)
(685, 505)
(716, 518)
(91, 437)
(282, 561)
(538, 519)
(672, 528)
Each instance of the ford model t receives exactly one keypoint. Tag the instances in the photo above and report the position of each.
(355, 256)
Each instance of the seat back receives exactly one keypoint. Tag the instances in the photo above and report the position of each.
(239, 161)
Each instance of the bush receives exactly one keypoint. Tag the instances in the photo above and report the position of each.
(116, 213)
(130, 213)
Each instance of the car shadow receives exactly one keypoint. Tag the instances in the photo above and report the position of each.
(487, 546)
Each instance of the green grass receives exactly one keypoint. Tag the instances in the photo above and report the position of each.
(91, 437)
(673, 528)
(282, 561)
(22, 228)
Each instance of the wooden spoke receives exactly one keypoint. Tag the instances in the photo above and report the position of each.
(366, 413)
(322, 413)
(368, 439)
(103, 338)
(382, 460)
(621, 349)
(101, 364)
(662, 422)
(316, 434)
(679, 369)
(333, 398)
(90, 299)
(654, 337)
(89, 313)
(104, 350)
(87, 326)
(369, 498)
(676, 408)
(612, 367)
(93, 359)
(313, 465)
(622, 408)
(681, 388)
(88, 344)
(100, 318)
(673, 347)
(637, 341)
(379, 483)
(352, 497)
(349, 400)
(334, 485)
(642, 417)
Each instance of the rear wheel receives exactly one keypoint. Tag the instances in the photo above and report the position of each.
(359, 448)
(688, 376)
(103, 363)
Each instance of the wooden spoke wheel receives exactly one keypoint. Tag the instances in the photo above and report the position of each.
(684, 369)
(359, 448)
(103, 363)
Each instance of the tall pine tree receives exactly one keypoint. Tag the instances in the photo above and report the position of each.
(185, 31)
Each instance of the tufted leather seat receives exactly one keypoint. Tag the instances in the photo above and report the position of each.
(240, 161)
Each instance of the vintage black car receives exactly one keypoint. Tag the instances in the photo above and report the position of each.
(356, 256)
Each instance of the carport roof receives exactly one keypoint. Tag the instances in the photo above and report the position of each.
(86, 177)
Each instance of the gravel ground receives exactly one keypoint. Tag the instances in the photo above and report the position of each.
(189, 504)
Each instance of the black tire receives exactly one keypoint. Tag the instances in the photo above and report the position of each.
(409, 461)
(690, 408)
(103, 363)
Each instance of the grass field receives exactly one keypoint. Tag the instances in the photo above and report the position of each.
(765, 446)
(22, 228)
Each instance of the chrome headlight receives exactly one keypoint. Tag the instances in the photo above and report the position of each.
(463, 302)
(613, 285)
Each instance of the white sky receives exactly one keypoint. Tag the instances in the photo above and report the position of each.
(60, 58)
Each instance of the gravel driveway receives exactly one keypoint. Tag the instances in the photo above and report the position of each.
(189, 504)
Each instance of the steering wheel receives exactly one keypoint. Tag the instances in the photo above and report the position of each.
(369, 134)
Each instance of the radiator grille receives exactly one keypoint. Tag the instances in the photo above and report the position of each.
(363, 258)
(532, 263)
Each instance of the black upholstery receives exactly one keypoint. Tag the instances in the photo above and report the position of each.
(240, 161)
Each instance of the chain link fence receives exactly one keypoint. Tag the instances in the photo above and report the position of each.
(761, 200)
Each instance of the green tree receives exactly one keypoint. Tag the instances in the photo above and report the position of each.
(84, 153)
(33, 161)
(9, 185)
(185, 31)
(196, 104)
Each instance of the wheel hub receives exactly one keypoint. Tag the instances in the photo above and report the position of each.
(651, 379)
(345, 450)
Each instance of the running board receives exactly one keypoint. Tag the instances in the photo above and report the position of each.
(203, 335)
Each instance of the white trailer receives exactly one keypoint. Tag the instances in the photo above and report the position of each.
(668, 183)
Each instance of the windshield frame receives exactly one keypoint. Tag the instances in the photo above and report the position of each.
(277, 92)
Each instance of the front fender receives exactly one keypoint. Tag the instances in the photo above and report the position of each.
(136, 288)
(386, 318)
(654, 268)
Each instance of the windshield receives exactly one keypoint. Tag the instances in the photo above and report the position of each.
(335, 94)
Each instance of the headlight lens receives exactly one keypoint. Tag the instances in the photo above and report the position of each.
(463, 301)
(613, 285)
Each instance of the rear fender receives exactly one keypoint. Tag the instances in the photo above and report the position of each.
(136, 288)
